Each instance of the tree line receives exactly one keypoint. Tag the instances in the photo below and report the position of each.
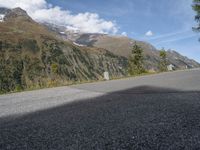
(136, 61)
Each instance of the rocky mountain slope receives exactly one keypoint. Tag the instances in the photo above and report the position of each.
(31, 56)
(122, 46)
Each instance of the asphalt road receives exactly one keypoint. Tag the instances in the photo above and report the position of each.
(151, 112)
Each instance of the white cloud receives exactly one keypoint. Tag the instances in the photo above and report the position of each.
(42, 11)
(149, 33)
(124, 34)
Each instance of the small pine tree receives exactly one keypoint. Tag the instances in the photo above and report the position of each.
(136, 61)
(163, 60)
(196, 8)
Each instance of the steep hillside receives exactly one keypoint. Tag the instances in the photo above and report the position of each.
(122, 46)
(31, 56)
(181, 61)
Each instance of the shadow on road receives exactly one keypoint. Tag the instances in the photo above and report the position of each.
(139, 118)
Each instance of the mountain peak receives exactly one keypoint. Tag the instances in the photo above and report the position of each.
(17, 13)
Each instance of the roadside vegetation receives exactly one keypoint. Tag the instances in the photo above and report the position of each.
(163, 60)
(136, 61)
(29, 65)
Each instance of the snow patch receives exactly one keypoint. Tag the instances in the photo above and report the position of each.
(2, 17)
(62, 32)
(78, 44)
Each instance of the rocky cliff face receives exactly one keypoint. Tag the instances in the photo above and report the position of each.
(31, 56)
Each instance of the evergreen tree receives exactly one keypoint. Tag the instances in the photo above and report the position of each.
(196, 8)
(163, 60)
(136, 61)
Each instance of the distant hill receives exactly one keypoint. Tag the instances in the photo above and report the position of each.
(31, 56)
(122, 46)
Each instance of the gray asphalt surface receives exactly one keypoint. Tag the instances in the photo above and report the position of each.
(188, 80)
(151, 112)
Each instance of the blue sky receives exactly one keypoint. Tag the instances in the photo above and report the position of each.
(170, 21)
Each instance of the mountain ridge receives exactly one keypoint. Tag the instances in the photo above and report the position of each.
(122, 46)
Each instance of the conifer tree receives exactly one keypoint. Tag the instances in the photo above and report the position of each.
(163, 60)
(196, 8)
(136, 61)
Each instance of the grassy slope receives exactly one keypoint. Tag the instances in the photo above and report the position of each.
(32, 57)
